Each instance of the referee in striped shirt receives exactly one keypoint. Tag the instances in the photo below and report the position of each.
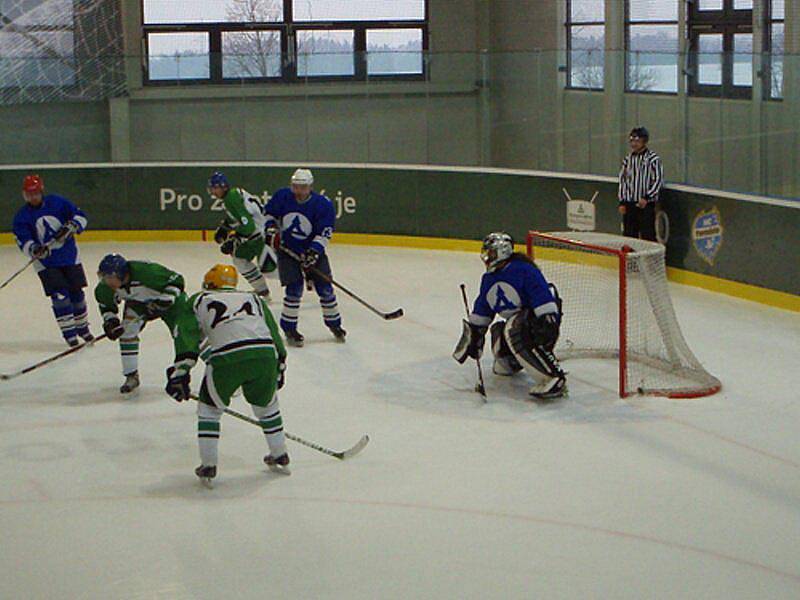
(640, 181)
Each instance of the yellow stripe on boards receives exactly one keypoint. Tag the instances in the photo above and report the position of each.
(715, 284)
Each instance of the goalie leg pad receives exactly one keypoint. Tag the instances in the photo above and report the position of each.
(504, 361)
(539, 362)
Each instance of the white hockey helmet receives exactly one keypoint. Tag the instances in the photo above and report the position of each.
(497, 248)
(302, 177)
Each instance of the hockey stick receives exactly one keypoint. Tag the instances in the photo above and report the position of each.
(6, 377)
(342, 455)
(395, 314)
(479, 387)
(10, 279)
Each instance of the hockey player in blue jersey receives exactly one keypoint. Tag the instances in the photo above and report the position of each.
(303, 221)
(45, 228)
(514, 288)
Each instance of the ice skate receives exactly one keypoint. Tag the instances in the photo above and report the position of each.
(206, 474)
(339, 334)
(131, 383)
(552, 389)
(294, 338)
(279, 464)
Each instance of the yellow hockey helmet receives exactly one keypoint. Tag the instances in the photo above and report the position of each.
(220, 276)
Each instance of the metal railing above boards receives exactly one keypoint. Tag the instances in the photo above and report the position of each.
(727, 121)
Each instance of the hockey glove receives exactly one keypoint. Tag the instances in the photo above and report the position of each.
(473, 337)
(156, 309)
(309, 259)
(68, 229)
(113, 328)
(39, 251)
(178, 384)
(272, 237)
(281, 373)
(222, 232)
(228, 246)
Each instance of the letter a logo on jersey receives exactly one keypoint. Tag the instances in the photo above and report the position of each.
(297, 226)
(503, 299)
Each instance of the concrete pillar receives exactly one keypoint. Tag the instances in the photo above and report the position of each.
(120, 129)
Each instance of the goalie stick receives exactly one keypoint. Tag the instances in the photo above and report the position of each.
(389, 316)
(479, 386)
(341, 455)
(7, 376)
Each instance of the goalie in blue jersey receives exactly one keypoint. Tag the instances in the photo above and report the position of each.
(514, 288)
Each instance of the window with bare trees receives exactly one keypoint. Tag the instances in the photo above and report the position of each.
(586, 37)
(217, 41)
(651, 41)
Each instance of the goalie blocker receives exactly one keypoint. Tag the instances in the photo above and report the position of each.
(515, 289)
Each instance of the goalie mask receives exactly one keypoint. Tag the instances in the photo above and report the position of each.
(497, 248)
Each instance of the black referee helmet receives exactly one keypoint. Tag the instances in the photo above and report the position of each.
(641, 133)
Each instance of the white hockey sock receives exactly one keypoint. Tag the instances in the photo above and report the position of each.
(252, 274)
(272, 425)
(129, 352)
(208, 430)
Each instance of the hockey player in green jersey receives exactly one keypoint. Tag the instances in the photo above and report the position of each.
(244, 350)
(149, 291)
(241, 233)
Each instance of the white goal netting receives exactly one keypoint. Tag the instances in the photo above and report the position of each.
(60, 50)
(617, 305)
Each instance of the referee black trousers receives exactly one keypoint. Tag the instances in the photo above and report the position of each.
(640, 222)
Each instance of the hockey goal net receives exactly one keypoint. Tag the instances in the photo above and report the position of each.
(617, 305)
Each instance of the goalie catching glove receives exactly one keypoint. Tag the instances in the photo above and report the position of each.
(471, 343)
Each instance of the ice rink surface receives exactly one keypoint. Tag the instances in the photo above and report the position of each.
(590, 497)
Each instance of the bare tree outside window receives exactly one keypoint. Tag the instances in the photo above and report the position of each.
(253, 53)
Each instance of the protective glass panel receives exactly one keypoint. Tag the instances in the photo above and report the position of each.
(36, 59)
(251, 54)
(323, 53)
(394, 51)
(778, 9)
(587, 56)
(358, 10)
(587, 11)
(709, 59)
(653, 10)
(653, 58)
(212, 11)
(178, 56)
(776, 61)
(32, 13)
(743, 59)
(710, 4)
(743, 4)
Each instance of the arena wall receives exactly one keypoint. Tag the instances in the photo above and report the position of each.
(729, 242)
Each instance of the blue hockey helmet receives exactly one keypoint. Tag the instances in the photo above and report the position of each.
(113, 265)
(218, 179)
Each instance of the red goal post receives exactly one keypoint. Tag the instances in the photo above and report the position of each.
(617, 306)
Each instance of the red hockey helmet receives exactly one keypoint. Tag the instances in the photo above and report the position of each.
(32, 184)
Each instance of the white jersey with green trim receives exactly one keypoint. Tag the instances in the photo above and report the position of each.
(231, 321)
